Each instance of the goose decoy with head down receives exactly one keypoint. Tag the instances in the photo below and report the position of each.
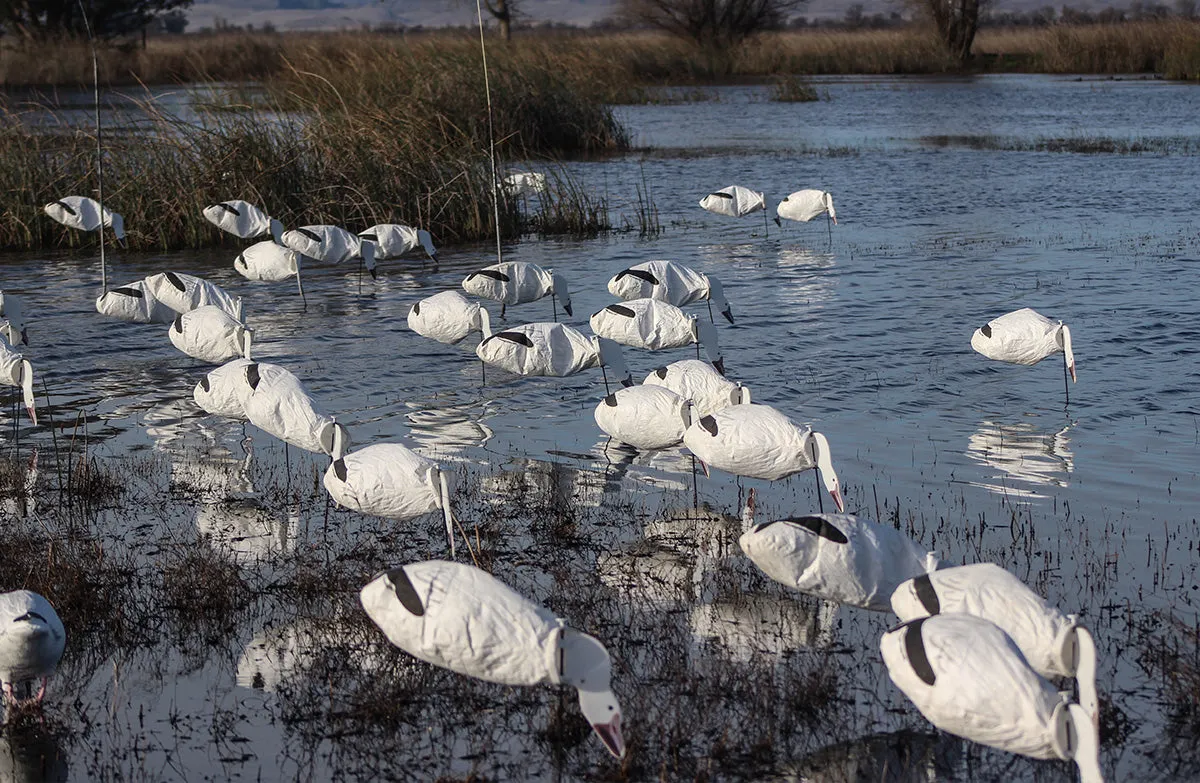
(183, 293)
(85, 214)
(449, 317)
(331, 244)
(393, 240)
(276, 402)
(211, 335)
(136, 303)
(699, 382)
(243, 220)
(655, 325)
(1026, 337)
(551, 349)
(669, 282)
(463, 619)
(518, 282)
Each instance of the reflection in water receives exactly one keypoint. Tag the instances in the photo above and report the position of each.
(899, 757)
(31, 756)
(532, 484)
(277, 652)
(1023, 453)
(753, 625)
(446, 433)
(660, 468)
(248, 530)
(19, 498)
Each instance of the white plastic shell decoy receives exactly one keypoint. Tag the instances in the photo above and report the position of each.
(669, 282)
(734, 201)
(645, 417)
(243, 220)
(699, 382)
(551, 349)
(449, 317)
(655, 325)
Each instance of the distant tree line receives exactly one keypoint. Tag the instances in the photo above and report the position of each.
(47, 19)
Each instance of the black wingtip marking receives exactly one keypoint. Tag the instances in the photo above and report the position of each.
(515, 337)
(230, 209)
(136, 294)
(722, 195)
(661, 372)
(372, 237)
(174, 280)
(710, 424)
(914, 645)
(252, 375)
(313, 235)
(986, 330)
(402, 586)
(926, 594)
(640, 274)
(495, 274)
(204, 384)
(621, 310)
(178, 324)
(821, 527)
(67, 207)
(611, 400)
(416, 309)
(339, 469)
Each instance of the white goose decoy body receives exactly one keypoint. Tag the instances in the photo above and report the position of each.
(551, 349)
(276, 402)
(967, 677)
(16, 370)
(393, 240)
(758, 441)
(645, 417)
(183, 293)
(465, 620)
(134, 302)
(1053, 643)
(331, 244)
(267, 261)
(837, 557)
(12, 315)
(1024, 337)
(85, 214)
(389, 480)
(448, 317)
(518, 282)
(210, 334)
(669, 282)
(734, 201)
(223, 390)
(243, 220)
(655, 325)
(32, 639)
(804, 205)
(699, 382)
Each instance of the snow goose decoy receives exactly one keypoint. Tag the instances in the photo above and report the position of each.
(837, 557)
(85, 214)
(735, 201)
(670, 282)
(269, 262)
(552, 349)
(389, 480)
(968, 678)
(650, 418)
(1026, 337)
(183, 293)
(332, 245)
(518, 282)
(463, 619)
(392, 240)
(243, 220)
(32, 639)
(655, 325)
(448, 317)
(211, 335)
(697, 381)
(222, 390)
(15, 370)
(758, 441)
(134, 302)
(804, 205)
(276, 402)
(1053, 643)
(12, 313)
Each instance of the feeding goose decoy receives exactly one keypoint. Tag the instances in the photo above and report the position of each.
(670, 282)
(804, 205)
(463, 619)
(32, 639)
(1053, 643)
(518, 282)
(183, 293)
(85, 214)
(15, 370)
(243, 219)
(449, 317)
(646, 417)
(551, 349)
(734, 201)
(276, 402)
(655, 325)
(758, 441)
(211, 335)
(221, 391)
(1026, 337)
(968, 678)
(393, 240)
(838, 557)
(331, 244)
(136, 303)
(699, 382)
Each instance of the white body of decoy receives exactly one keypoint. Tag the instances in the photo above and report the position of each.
(551, 349)
(837, 557)
(330, 244)
(211, 335)
(12, 315)
(183, 293)
(449, 317)
(804, 205)
(655, 325)
(758, 441)
(277, 403)
(223, 390)
(85, 214)
(699, 382)
(968, 678)
(1053, 643)
(393, 240)
(134, 302)
(518, 282)
(734, 201)
(243, 220)
(389, 480)
(669, 282)
(1024, 337)
(465, 620)
(15, 370)
(524, 183)
(267, 261)
(645, 417)
(32, 639)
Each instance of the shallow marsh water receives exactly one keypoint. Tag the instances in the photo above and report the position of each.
(721, 675)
